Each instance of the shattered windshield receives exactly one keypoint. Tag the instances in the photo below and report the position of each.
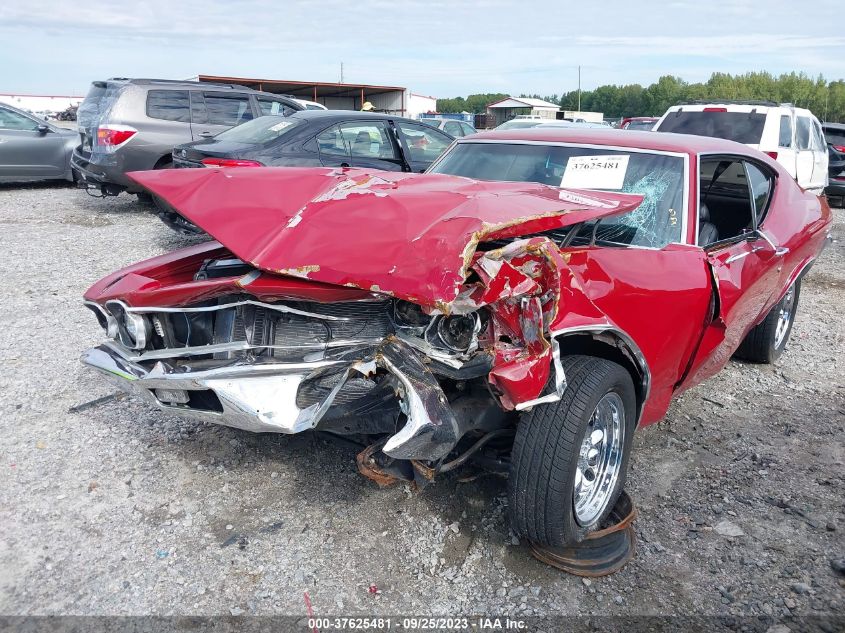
(656, 176)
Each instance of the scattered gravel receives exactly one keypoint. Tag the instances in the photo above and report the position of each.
(116, 508)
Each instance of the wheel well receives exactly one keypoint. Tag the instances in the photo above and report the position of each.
(164, 160)
(609, 346)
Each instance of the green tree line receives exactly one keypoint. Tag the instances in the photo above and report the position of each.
(826, 99)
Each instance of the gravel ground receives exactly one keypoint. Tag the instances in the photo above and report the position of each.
(121, 509)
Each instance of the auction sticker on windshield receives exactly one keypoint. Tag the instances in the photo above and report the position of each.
(595, 172)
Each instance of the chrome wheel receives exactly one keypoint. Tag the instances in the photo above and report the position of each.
(599, 459)
(787, 306)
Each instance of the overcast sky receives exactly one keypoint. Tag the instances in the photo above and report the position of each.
(437, 48)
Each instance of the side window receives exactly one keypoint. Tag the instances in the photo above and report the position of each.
(169, 105)
(368, 140)
(803, 133)
(785, 137)
(467, 129)
(198, 112)
(761, 190)
(424, 143)
(225, 109)
(818, 138)
(330, 142)
(13, 121)
(453, 128)
(271, 106)
(727, 206)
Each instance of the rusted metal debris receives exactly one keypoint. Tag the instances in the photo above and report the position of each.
(380, 468)
(602, 552)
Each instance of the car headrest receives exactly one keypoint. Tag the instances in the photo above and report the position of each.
(703, 212)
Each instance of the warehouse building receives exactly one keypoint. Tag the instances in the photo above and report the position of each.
(339, 96)
(507, 109)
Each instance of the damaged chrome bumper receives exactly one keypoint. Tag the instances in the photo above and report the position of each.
(261, 397)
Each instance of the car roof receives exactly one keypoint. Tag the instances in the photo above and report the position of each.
(834, 126)
(662, 141)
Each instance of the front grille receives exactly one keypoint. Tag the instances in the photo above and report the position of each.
(263, 326)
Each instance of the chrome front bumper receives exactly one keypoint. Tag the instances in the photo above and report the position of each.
(261, 397)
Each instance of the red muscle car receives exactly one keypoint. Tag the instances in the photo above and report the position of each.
(528, 303)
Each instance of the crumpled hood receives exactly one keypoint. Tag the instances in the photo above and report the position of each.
(409, 235)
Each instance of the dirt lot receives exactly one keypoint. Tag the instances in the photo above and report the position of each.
(120, 509)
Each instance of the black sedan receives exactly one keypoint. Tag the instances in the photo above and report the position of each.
(314, 138)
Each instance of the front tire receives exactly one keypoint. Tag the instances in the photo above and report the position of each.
(766, 341)
(570, 459)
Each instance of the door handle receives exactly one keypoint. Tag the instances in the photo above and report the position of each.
(780, 251)
(206, 134)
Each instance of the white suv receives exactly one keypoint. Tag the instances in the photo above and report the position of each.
(790, 135)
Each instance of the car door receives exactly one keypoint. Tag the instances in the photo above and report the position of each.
(820, 159)
(805, 160)
(213, 112)
(421, 144)
(744, 272)
(371, 145)
(29, 148)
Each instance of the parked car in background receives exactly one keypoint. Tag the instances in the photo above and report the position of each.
(312, 138)
(452, 127)
(834, 134)
(134, 124)
(524, 124)
(790, 135)
(835, 189)
(642, 123)
(33, 149)
(441, 317)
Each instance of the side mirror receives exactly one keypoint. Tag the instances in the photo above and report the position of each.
(42, 129)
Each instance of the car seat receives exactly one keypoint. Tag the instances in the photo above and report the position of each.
(707, 231)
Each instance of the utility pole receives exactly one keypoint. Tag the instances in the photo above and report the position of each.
(341, 72)
(579, 88)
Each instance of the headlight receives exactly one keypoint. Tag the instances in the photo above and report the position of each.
(138, 329)
(459, 332)
(133, 330)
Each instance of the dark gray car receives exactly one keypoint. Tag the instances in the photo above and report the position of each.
(134, 124)
(31, 149)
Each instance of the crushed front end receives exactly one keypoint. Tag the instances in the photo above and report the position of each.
(416, 347)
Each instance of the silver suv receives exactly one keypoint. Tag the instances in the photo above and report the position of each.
(133, 124)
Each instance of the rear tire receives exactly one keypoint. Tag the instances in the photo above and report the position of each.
(767, 340)
(553, 456)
